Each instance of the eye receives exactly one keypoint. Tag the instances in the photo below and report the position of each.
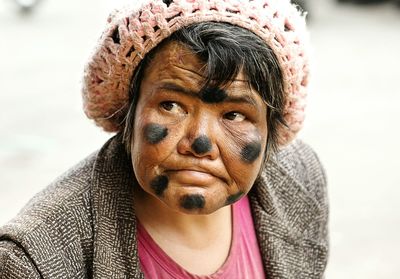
(172, 107)
(234, 116)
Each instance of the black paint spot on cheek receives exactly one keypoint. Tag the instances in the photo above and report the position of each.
(201, 145)
(213, 95)
(251, 152)
(235, 197)
(154, 133)
(159, 184)
(193, 202)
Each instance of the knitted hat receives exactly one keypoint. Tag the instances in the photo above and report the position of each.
(132, 32)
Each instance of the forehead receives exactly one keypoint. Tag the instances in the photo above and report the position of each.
(175, 62)
(172, 57)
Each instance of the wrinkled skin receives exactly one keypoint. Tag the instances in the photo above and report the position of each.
(188, 152)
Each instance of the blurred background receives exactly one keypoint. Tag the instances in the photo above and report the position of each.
(352, 121)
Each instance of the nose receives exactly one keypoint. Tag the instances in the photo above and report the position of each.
(199, 139)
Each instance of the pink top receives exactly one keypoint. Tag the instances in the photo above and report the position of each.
(244, 260)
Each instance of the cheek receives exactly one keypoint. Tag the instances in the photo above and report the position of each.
(150, 144)
(247, 145)
(154, 133)
(148, 150)
(242, 159)
(250, 152)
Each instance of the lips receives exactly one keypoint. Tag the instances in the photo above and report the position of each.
(194, 172)
(192, 177)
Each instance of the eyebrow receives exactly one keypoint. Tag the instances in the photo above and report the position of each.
(186, 91)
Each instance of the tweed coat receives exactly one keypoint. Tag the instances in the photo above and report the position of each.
(83, 225)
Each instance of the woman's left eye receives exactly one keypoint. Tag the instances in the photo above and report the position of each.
(234, 116)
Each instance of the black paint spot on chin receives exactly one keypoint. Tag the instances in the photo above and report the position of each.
(193, 202)
(213, 95)
(201, 145)
(251, 152)
(235, 197)
(159, 184)
(154, 133)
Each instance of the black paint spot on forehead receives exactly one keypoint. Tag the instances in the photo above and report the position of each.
(193, 202)
(159, 184)
(251, 152)
(213, 95)
(201, 145)
(154, 133)
(235, 197)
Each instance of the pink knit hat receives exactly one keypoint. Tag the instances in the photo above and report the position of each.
(132, 32)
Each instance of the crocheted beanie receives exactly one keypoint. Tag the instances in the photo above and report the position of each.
(132, 32)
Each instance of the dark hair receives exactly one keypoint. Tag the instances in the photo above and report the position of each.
(226, 50)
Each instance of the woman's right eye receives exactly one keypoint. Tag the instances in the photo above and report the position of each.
(172, 107)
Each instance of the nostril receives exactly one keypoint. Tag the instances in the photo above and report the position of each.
(201, 145)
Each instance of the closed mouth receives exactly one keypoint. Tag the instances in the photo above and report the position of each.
(195, 168)
(192, 177)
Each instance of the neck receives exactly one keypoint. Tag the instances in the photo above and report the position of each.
(195, 230)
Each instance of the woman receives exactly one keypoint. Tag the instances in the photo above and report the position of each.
(204, 178)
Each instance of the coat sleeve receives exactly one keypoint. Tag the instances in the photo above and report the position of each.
(15, 263)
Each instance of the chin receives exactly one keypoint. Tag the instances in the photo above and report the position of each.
(194, 202)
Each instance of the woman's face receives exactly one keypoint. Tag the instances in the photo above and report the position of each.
(196, 151)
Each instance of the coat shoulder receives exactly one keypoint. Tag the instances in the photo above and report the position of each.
(56, 223)
(292, 189)
(58, 202)
(299, 162)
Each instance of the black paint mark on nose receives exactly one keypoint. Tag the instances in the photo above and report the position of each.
(213, 95)
(159, 184)
(235, 197)
(201, 145)
(193, 202)
(154, 133)
(251, 152)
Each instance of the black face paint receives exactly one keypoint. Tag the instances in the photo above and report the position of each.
(213, 95)
(159, 184)
(251, 152)
(193, 202)
(154, 133)
(201, 145)
(233, 198)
